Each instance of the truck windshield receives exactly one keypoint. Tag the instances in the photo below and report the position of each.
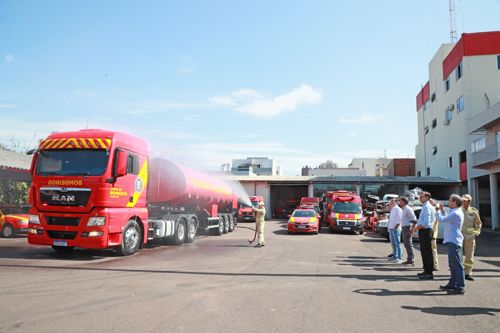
(72, 162)
(346, 207)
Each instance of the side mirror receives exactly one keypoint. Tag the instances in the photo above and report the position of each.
(318, 216)
(121, 164)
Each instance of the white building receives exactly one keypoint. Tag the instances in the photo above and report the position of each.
(260, 166)
(372, 166)
(458, 121)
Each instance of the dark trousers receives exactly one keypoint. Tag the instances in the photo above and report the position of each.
(456, 267)
(425, 238)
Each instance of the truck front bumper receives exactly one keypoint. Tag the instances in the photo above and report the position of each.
(350, 226)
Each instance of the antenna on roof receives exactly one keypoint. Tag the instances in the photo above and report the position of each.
(453, 25)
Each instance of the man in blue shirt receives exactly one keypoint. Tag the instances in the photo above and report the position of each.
(424, 227)
(453, 239)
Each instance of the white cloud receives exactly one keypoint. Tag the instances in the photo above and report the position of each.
(9, 58)
(222, 101)
(365, 118)
(266, 106)
(8, 106)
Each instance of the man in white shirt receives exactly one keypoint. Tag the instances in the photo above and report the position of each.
(395, 231)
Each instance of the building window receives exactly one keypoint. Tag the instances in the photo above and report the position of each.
(450, 162)
(460, 104)
(426, 129)
(433, 97)
(458, 71)
(419, 174)
(448, 115)
(478, 144)
(447, 84)
(498, 142)
(462, 156)
(428, 171)
(434, 150)
(434, 123)
(498, 61)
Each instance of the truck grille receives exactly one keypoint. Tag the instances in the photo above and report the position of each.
(64, 221)
(61, 234)
(58, 196)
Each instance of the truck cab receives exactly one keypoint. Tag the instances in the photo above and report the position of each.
(344, 212)
(86, 186)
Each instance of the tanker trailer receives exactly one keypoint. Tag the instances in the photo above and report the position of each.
(182, 200)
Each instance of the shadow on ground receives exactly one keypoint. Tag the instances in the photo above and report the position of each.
(458, 311)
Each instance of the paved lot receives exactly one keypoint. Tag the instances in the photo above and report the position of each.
(299, 283)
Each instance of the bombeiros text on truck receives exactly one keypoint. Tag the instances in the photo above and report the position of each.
(98, 189)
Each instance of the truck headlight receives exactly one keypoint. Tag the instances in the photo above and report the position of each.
(34, 219)
(96, 221)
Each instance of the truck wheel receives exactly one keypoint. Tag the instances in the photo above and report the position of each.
(361, 232)
(63, 249)
(220, 230)
(180, 233)
(8, 230)
(131, 239)
(231, 223)
(226, 224)
(191, 231)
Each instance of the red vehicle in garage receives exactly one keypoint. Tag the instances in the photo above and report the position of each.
(13, 224)
(303, 220)
(98, 189)
(245, 212)
(344, 211)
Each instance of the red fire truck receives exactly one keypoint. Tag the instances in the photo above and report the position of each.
(344, 212)
(98, 189)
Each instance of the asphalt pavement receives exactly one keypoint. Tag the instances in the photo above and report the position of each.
(296, 283)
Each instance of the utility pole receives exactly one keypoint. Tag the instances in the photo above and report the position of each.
(453, 25)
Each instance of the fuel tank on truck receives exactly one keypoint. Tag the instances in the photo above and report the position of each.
(175, 184)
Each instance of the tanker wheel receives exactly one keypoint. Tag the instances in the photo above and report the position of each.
(191, 231)
(226, 224)
(131, 239)
(180, 233)
(231, 223)
(220, 230)
(8, 230)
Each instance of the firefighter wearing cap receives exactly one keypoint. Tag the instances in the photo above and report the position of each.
(470, 229)
(260, 214)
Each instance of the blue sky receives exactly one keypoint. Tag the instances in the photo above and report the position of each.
(208, 81)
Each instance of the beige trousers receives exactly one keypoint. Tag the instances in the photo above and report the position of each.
(469, 248)
(260, 230)
(435, 253)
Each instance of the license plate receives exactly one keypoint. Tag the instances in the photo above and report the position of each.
(60, 243)
(346, 228)
(301, 226)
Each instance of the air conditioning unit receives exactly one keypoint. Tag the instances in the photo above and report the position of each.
(451, 107)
